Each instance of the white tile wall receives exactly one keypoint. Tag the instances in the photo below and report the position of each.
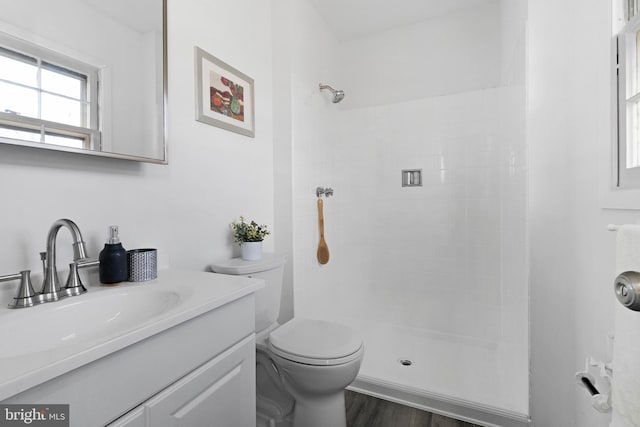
(447, 256)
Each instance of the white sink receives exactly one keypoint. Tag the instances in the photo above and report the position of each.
(42, 342)
(88, 318)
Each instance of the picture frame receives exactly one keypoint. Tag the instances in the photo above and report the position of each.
(224, 95)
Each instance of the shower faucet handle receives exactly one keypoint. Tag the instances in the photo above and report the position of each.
(324, 191)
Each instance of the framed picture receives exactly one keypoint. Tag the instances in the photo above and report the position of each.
(224, 95)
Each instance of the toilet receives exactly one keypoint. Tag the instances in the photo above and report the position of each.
(303, 365)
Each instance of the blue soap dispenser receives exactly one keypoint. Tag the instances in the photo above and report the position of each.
(113, 259)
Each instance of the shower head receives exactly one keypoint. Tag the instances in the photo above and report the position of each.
(338, 95)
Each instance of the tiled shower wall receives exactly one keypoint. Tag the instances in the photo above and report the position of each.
(449, 255)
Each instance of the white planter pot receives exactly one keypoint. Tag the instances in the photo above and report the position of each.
(251, 251)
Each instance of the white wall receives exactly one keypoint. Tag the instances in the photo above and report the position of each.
(313, 61)
(183, 209)
(572, 254)
(282, 12)
(451, 53)
(513, 32)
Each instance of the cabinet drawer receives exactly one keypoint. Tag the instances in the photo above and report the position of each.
(219, 393)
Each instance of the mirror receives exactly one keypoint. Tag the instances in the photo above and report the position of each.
(84, 76)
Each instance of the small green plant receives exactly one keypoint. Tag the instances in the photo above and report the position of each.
(248, 231)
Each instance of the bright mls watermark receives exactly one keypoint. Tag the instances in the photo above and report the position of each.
(34, 415)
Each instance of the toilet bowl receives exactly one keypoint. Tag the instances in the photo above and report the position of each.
(316, 360)
(303, 365)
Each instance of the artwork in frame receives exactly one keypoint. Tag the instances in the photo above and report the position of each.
(224, 95)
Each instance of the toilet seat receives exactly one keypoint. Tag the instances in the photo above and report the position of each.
(315, 342)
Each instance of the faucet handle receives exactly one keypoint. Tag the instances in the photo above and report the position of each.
(26, 296)
(74, 284)
(43, 258)
(88, 263)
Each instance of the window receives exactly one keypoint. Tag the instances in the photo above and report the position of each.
(46, 97)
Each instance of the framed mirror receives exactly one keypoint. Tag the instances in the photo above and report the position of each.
(85, 76)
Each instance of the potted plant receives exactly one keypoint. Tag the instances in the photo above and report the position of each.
(250, 236)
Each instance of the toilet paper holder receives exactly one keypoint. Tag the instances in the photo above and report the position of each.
(627, 289)
(587, 382)
(601, 401)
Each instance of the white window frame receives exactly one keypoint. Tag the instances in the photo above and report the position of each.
(628, 95)
(612, 193)
(89, 133)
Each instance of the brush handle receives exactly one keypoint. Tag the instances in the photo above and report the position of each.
(321, 218)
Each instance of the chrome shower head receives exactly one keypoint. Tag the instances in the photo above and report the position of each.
(338, 95)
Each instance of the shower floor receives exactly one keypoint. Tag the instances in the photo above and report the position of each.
(472, 379)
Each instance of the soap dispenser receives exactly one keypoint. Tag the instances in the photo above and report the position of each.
(113, 259)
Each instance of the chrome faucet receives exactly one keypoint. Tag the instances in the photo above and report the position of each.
(51, 284)
(26, 297)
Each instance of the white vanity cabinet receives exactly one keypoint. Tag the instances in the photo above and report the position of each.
(192, 365)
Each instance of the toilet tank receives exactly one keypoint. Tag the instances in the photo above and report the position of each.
(270, 268)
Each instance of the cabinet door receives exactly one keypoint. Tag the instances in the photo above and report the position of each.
(220, 393)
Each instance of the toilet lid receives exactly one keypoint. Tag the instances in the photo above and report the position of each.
(315, 342)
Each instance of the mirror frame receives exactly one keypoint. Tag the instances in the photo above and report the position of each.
(164, 160)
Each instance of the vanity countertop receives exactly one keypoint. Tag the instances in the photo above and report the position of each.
(45, 341)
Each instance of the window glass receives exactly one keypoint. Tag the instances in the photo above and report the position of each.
(62, 110)
(35, 136)
(67, 84)
(44, 97)
(23, 135)
(636, 52)
(23, 71)
(632, 160)
(18, 100)
(67, 141)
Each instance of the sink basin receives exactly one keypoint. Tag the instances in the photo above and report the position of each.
(82, 319)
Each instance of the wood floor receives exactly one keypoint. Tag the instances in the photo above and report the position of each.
(367, 411)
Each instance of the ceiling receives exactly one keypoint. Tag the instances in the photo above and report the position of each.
(350, 19)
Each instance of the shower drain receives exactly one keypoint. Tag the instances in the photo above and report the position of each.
(405, 362)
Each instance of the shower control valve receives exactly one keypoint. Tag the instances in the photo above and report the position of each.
(326, 191)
